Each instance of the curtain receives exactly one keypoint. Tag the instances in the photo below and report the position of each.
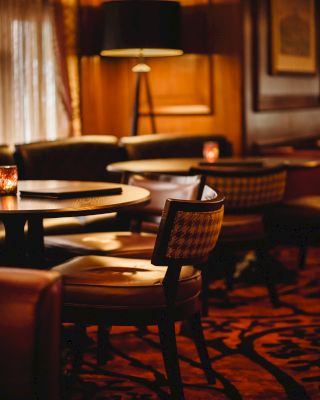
(31, 106)
(66, 23)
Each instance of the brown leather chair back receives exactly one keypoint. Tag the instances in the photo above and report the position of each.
(6, 155)
(30, 303)
(79, 158)
(167, 145)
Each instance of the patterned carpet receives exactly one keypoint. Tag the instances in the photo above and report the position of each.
(257, 352)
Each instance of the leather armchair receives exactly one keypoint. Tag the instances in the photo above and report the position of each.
(30, 304)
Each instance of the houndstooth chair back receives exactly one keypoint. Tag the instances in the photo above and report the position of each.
(188, 231)
(250, 189)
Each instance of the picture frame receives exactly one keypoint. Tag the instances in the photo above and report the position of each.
(293, 37)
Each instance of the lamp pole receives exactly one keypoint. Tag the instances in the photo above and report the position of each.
(142, 70)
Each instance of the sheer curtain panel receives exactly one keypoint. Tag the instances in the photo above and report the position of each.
(31, 88)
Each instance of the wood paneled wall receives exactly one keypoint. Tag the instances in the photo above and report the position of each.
(277, 108)
(194, 93)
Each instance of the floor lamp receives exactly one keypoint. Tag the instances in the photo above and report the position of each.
(141, 28)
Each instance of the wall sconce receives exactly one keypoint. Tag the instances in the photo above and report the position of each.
(8, 179)
(141, 28)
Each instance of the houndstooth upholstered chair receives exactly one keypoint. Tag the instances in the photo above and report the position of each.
(250, 193)
(139, 241)
(121, 291)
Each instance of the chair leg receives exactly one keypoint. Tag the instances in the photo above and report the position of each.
(170, 357)
(205, 290)
(103, 339)
(78, 345)
(195, 324)
(268, 275)
(302, 255)
(231, 267)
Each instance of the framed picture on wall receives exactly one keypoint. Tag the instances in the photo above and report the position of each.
(293, 37)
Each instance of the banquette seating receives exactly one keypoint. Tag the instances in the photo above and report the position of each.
(79, 158)
(86, 157)
(171, 145)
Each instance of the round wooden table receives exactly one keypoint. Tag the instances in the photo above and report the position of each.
(16, 211)
(183, 165)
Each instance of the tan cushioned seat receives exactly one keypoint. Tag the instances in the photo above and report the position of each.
(87, 223)
(120, 244)
(308, 206)
(121, 283)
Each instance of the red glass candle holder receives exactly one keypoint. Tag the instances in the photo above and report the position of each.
(8, 179)
(211, 151)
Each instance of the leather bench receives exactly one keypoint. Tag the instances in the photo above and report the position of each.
(171, 145)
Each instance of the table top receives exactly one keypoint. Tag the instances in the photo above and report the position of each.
(183, 165)
(45, 207)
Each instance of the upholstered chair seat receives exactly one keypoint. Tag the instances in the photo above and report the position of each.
(116, 291)
(121, 244)
(87, 223)
(122, 283)
(134, 243)
(296, 222)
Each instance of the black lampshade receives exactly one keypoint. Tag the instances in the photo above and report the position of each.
(141, 28)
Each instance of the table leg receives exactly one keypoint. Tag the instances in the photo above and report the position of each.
(35, 240)
(15, 244)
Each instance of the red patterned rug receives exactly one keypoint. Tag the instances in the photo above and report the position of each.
(256, 351)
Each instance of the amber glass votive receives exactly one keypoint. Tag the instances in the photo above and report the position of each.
(211, 151)
(8, 179)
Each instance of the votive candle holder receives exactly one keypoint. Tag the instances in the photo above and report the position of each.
(8, 179)
(211, 151)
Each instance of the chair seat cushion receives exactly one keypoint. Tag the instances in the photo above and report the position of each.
(302, 207)
(301, 212)
(113, 282)
(69, 225)
(245, 226)
(296, 221)
(121, 244)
